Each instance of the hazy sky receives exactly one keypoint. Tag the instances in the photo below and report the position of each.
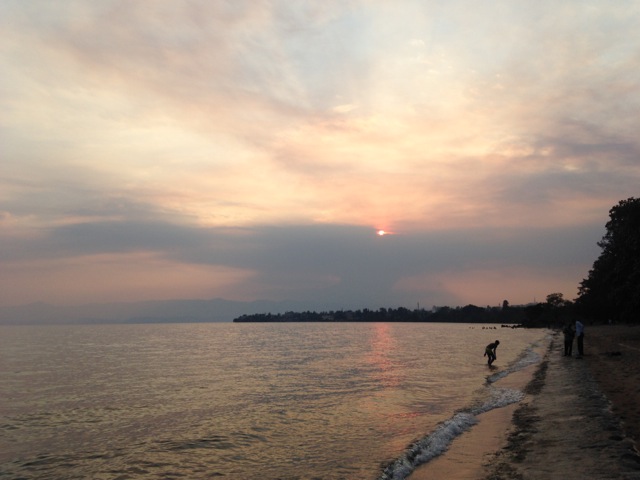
(252, 149)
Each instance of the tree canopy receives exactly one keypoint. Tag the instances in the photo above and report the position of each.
(612, 289)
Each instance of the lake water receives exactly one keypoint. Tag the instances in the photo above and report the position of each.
(245, 401)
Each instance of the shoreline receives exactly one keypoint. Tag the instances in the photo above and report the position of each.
(579, 418)
(469, 455)
(567, 428)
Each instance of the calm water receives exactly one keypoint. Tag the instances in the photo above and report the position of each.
(244, 401)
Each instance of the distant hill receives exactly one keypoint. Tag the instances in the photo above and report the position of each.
(165, 311)
(220, 310)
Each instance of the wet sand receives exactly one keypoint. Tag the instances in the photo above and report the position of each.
(614, 361)
(580, 419)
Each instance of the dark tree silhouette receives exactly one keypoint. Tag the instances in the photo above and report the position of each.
(612, 289)
(556, 300)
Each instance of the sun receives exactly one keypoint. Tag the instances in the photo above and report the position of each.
(381, 233)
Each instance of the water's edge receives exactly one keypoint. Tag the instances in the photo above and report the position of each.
(437, 442)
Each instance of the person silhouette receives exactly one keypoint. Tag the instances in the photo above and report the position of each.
(490, 351)
(580, 335)
(568, 339)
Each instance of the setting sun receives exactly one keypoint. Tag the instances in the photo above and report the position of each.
(381, 233)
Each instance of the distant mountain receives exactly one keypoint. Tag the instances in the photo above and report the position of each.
(164, 311)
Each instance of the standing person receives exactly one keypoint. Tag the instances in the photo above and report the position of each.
(580, 335)
(490, 351)
(568, 339)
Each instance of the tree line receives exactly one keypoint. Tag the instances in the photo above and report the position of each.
(553, 312)
(468, 314)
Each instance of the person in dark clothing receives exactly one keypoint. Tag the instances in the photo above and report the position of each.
(568, 339)
(580, 335)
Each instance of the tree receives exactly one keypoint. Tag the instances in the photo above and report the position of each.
(612, 288)
(556, 300)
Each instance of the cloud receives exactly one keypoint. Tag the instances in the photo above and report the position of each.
(105, 277)
(338, 263)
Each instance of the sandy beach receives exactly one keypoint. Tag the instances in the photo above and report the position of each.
(580, 418)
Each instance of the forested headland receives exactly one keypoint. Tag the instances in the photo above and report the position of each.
(506, 314)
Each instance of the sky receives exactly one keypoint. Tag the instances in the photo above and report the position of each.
(255, 149)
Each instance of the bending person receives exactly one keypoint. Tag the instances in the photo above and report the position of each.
(490, 351)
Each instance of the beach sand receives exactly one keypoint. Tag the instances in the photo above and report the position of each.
(580, 419)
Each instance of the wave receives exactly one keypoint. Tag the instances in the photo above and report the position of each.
(527, 357)
(438, 441)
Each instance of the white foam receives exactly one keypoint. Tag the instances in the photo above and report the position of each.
(527, 358)
(429, 447)
(498, 398)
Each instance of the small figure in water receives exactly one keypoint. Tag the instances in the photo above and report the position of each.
(490, 351)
